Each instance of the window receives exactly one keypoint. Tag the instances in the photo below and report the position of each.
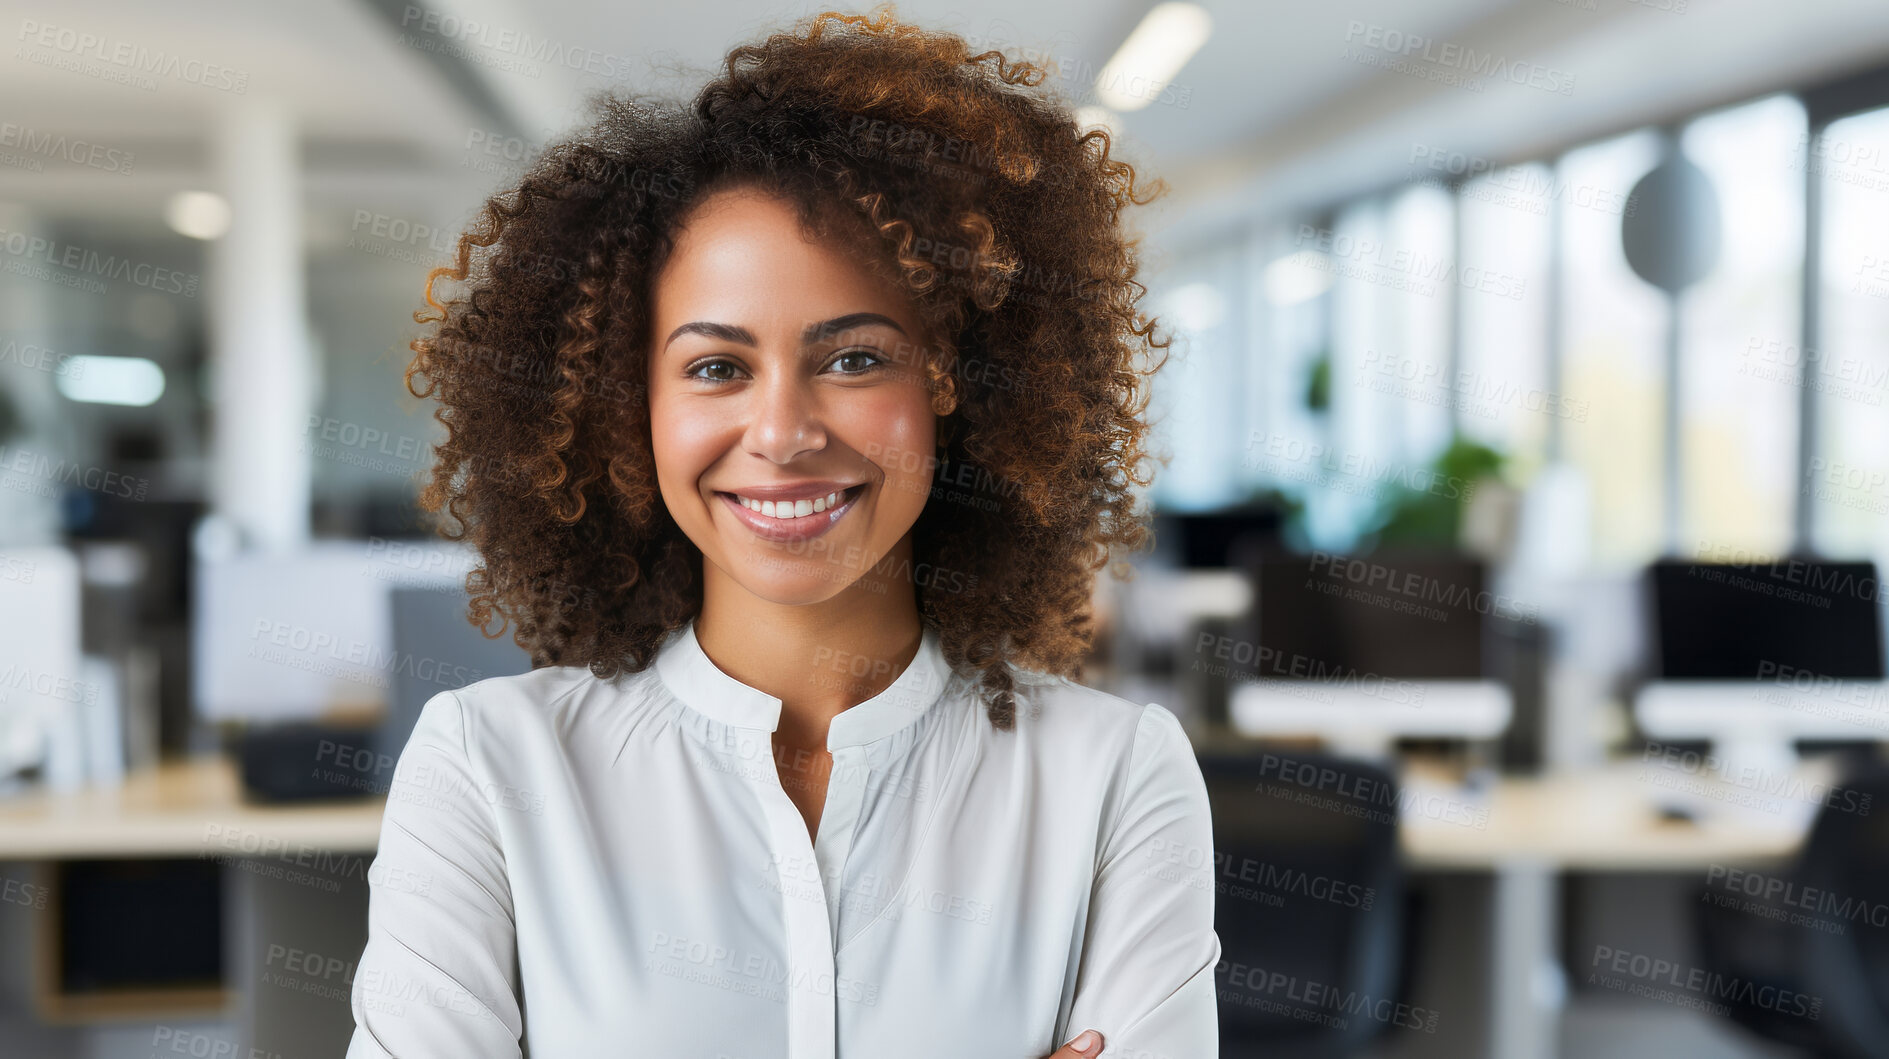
(1502, 393)
(1409, 361)
(1291, 295)
(1738, 398)
(1329, 350)
(1613, 342)
(1347, 480)
(1198, 405)
(1848, 485)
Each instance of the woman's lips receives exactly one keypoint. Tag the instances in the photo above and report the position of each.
(805, 527)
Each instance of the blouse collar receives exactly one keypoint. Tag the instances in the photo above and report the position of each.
(702, 686)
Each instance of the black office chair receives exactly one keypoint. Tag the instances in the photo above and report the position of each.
(1841, 975)
(1309, 902)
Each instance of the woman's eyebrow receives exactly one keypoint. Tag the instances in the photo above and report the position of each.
(725, 332)
(842, 324)
(810, 334)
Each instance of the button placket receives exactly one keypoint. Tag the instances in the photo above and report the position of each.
(809, 869)
(812, 1030)
(839, 821)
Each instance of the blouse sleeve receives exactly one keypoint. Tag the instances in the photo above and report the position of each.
(439, 974)
(1146, 978)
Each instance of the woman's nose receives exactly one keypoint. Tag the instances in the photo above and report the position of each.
(785, 422)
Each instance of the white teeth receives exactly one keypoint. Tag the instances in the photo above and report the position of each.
(789, 509)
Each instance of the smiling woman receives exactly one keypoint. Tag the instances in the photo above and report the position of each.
(993, 214)
(813, 776)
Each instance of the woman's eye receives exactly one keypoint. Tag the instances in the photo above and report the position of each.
(722, 371)
(861, 360)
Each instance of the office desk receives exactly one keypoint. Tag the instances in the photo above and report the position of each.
(1591, 821)
(1537, 828)
(1532, 829)
(1605, 820)
(295, 884)
(176, 810)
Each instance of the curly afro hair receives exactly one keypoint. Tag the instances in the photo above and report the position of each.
(958, 175)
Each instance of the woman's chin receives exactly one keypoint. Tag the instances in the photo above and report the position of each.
(791, 580)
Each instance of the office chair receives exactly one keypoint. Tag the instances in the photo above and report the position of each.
(1841, 880)
(1308, 902)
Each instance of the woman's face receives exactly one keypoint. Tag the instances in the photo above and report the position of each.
(792, 425)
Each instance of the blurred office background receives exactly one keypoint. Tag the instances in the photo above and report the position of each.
(1517, 551)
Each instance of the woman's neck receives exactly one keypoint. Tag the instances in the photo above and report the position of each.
(820, 659)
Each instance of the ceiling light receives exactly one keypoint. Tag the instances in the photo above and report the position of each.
(132, 381)
(198, 214)
(1297, 277)
(1167, 37)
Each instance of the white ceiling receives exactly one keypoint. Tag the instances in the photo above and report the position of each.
(1277, 117)
(1630, 64)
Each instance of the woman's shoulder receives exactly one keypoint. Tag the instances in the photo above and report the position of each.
(549, 700)
(533, 689)
(1069, 716)
(1125, 751)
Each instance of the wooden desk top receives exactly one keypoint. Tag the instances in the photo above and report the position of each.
(184, 809)
(1596, 821)
(1605, 820)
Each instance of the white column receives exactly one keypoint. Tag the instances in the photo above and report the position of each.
(29, 516)
(263, 383)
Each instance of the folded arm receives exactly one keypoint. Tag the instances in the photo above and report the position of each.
(439, 974)
(1146, 979)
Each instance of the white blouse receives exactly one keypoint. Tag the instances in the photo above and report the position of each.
(572, 867)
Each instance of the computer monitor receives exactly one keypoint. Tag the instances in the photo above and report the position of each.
(1753, 656)
(430, 626)
(1218, 540)
(1720, 621)
(1410, 616)
(291, 636)
(1365, 649)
